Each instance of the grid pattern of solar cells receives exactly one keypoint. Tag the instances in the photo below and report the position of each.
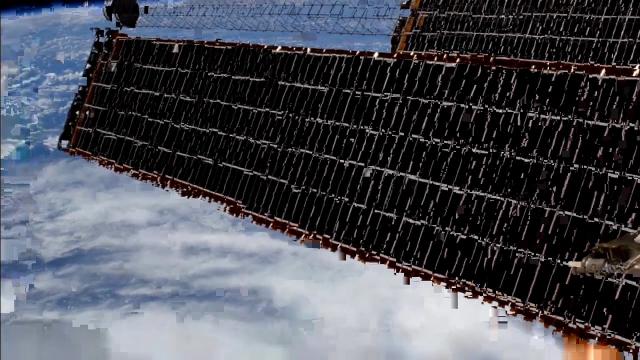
(491, 175)
(316, 17)
(582, 31)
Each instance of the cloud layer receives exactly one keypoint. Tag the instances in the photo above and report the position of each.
(183, 278)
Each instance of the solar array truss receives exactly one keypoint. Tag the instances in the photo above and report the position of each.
(581, 31)
(334, 17)
(487, 177)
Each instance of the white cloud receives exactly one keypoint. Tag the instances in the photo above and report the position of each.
(206, 285)
(7, 296)
(8, 147)
(8, 69)
(51, 142)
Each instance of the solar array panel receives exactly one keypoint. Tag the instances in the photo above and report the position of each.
(580, 31)
(493, 175)
(330, 17)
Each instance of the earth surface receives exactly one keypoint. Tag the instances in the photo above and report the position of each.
(96, 265)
